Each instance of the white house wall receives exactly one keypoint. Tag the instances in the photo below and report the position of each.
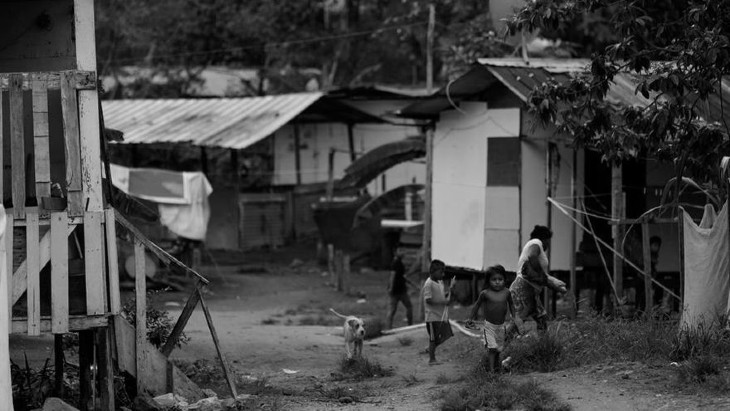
(316, 140)
(534, 207)
(473, 225)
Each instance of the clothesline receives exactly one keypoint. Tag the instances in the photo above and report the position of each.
(631, 264)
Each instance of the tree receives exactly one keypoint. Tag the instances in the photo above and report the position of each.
(676, 51)
(347, 42)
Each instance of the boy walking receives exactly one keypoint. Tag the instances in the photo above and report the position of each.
(436, 302)
(497, 300)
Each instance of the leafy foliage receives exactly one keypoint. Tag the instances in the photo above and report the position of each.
(340, 43)
(159, 323)
(675, 51)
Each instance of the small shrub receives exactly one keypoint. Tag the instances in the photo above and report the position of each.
(489, 391)
(707, 337)
(361, 367)
(700, 368)
(269, 321)
(543, 353)
(159, 323)
(405, 341)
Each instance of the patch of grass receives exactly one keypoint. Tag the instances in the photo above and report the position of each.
(543, 353)
(361, 368)
(707, 337)
(269, 321)
(700, 368)
(411, 380)
(405, 341)
(442, 379)
(490, 391)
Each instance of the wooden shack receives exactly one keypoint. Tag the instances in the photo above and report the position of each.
(60, 234)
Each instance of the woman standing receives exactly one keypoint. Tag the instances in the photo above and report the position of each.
(532, 278)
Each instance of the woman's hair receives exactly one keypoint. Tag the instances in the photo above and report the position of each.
(436, 265)
(541, 233)
(496, 269)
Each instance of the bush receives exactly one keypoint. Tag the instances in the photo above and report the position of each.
(491, 391)
(159, 323)
(361, 367)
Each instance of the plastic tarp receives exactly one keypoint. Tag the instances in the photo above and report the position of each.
(6, 390)
(182, 197)
(707, 279)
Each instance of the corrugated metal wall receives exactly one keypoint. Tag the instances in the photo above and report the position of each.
(262, 220)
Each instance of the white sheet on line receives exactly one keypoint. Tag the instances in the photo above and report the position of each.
(707, 280)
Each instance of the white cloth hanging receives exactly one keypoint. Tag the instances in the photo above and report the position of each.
(706, 264)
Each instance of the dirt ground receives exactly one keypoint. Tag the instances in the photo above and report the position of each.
(270, 312)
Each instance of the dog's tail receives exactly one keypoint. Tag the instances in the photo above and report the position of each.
(338, 314)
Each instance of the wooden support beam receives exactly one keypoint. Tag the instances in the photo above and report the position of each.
(86, 361)
(180, 324)
(106, 368)
(427, 219)
(297, 154)
(41, 148)
(71, 133)
(93, 263)
(81, 80)
(346, 273)
(17, 146)
(110, 230)
(59, 272)
(140, 292)
(164, 256)
(32, 242)
(75, 323)
(224, 364)
(617, 213)
(646, 251)
(330, 174)
(339, 269)
(9, 262)
(573, 235)
(58, 361)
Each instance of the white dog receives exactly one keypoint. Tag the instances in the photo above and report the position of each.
(354, 330)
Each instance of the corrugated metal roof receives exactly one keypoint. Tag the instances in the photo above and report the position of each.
(520, 78)
(221, 122)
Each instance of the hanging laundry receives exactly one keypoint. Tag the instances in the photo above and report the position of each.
(707, 280)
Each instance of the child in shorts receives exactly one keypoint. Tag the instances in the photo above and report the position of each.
(497, 301)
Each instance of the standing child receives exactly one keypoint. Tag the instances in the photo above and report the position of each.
(497, 300)
(436, 302)
(398, 290)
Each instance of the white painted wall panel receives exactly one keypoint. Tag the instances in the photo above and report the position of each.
(458, 224)
(501, 247)
(533, 208)
(502, 208)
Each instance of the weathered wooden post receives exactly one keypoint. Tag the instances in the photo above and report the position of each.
(346, 273)
(647, 267)
(338, 268)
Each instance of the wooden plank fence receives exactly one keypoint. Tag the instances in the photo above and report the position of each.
(39, 225)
